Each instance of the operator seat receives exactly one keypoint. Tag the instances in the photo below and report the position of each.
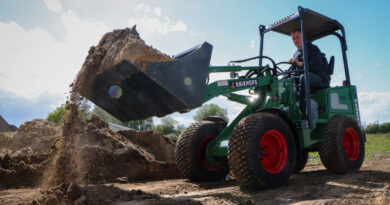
(330, 68)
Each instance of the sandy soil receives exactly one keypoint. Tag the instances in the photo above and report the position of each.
(370, 185)
(113, 48)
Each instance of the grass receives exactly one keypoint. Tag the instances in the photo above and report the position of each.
(376, 145)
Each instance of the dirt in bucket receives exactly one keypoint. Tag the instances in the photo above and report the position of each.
(113, 48)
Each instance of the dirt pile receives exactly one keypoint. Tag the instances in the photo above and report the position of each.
(5, 127)
(91, 152)
(154, 142)
(25, 154)
(113, 48)
(83, 152)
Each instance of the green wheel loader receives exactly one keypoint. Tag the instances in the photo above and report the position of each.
(269, 139)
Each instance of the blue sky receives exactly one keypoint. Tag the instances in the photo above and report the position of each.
(43, 44)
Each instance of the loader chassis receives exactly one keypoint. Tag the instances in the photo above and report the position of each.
(270, 138)
(282, 99)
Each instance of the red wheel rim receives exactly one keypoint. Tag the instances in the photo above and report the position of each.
(202, 154)
(351, 143)
(273, 151)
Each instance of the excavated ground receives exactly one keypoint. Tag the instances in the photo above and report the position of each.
(370, 185)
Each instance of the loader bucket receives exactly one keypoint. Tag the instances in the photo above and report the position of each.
(141, 90)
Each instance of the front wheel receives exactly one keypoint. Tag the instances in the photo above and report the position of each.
(190, 152)
(343, 148)
(261, 151)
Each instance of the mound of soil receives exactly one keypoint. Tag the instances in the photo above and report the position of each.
(113, 48)
(33, 137)
(90, 152)
(24, 154)
(5, 127)
(154, 142)
(85, 151)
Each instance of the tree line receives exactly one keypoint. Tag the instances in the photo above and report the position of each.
(168, 126)
(376, 128)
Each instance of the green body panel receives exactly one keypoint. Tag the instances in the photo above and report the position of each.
(281, 95)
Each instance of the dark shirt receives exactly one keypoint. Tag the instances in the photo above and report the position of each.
(314, 60)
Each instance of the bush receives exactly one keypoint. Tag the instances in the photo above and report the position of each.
(378, 128)
(57, 115)
(385, 127)
(372, 128)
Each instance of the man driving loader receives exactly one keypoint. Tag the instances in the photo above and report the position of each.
(317, 67)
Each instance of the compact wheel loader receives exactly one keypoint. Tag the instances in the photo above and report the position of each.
(270, 139)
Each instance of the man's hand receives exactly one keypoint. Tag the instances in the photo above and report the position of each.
(296, 62)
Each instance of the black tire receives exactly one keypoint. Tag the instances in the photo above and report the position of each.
(343, 148)
(190, 151)
(301, 160)
(254, 167)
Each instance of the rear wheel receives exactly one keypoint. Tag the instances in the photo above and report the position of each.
(190, 152)
(302, 157)
(343, 148)
(261, 151)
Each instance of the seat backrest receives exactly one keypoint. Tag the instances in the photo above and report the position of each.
(331, 65)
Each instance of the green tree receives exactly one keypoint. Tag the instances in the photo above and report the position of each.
(57, 116)
(146, 124)
(105, 115)
(169, 127)
(136, 124)
(384, 127)
(211, 110)
(372, 128)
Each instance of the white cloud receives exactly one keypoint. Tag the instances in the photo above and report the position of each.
(3, 75)
(157, 11)
(377, 64)
(142, 7)
(35, 63)
(183, 120)
(337, 80)
(374, 106)
(53, 5)
(147, 25)
(179, 26)
(252, 44)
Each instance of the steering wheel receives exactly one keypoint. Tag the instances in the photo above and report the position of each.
(291, 71)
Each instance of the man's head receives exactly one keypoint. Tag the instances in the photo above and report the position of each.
(296, 36)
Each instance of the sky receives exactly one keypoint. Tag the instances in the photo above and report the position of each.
(43, 44)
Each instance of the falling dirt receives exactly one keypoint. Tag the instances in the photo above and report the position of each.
(88, 151)
(113, 48)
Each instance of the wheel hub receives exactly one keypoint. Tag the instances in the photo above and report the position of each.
(273, 151)
(351, 144)
(202, 154)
